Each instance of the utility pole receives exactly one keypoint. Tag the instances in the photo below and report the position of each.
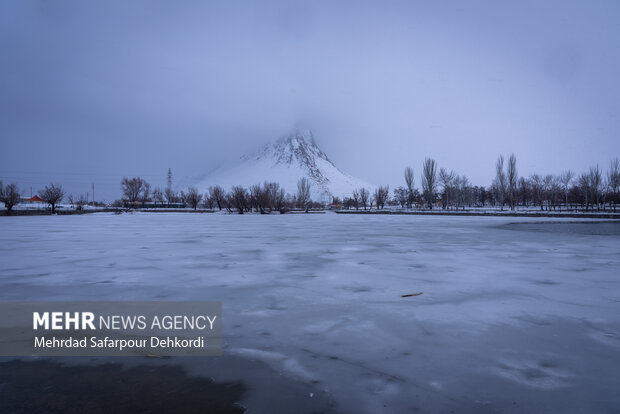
(93, 193)
(169, 178)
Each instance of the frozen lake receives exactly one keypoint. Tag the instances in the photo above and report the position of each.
(511, 317)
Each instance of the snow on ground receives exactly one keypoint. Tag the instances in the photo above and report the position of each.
(511, 318)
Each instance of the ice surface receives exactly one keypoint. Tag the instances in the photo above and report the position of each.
(510, 319)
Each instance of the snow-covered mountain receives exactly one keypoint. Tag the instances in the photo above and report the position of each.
(285, 161)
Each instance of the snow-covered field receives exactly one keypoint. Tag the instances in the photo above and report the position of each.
(512, 318)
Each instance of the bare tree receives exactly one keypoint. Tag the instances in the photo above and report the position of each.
(512, 177)
(52, 194)
(260, 197)
(193, 197)
(9, 195)
(158, 196)
(356, 199)
(500, 181)
(595, 176)
(524, 191)
(429, 181)
(364, 197)
(274, 196)
(536, 186)
(135, 189)
(171, 196)
(303, 193)
(565, 179)
(281, 201)
(208, 202)
(410, 186)
(584, 185)
(462, 186)
(547, 183)
(613, 181)
(218, 195)
(381, 195)
(446, 178)
(146, 192)
(238, 198)
(255, 194)
(557, 193)
(401, 196)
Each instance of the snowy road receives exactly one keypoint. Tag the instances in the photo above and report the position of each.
(511, 318)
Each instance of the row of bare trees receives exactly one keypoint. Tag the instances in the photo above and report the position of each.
(52, 194)
(590, 190)
(442, 188)
(439, 187)
(137, 192)
(262, 198)
(362, 198)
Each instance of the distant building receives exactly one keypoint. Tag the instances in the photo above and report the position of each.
(36, 200)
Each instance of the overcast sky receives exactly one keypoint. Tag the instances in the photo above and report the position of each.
(93, 91)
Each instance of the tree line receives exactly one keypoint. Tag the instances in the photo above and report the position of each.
(592, 190)
(52, 194)
(261, 198)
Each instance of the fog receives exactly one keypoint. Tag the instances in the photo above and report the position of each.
(92, 92)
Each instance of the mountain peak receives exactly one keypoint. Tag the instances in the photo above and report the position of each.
(298, 139)
(287, 159)
(302, 135)
(299, 146)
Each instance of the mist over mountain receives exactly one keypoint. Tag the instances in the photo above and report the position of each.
(285, 161)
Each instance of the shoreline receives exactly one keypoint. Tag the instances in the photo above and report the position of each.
(452, 213)
(605, 215)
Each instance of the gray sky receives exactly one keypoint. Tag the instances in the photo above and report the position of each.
(94, 91)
